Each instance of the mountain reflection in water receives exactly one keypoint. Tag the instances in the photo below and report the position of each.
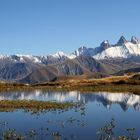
(125, 100)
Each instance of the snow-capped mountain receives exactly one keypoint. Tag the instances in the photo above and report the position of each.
(122, 49)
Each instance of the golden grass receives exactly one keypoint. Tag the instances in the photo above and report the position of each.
(114, 83)
(33, 105)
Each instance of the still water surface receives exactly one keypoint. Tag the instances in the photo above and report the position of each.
(82, 124)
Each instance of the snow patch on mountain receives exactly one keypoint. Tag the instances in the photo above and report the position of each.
(59, 54)
(124, 51)
(71, 56)
(24, 58)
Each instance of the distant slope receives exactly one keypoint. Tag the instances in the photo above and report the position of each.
(39, 74)
(127, 71)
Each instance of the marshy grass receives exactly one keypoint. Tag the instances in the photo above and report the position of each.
(33, 105)
(108, 132)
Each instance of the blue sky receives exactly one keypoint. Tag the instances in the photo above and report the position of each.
(41, 27)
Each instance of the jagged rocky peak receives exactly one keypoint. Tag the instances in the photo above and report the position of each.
(134, 40)
(121, 41)
(105, 44)
(80, 50)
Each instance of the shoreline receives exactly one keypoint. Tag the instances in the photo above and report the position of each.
(126, 83)
(81, 88)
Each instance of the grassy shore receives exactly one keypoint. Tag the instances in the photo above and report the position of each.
(33, 105)
(82, 88)
(111, 84)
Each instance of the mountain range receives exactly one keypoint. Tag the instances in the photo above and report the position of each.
(102, 61)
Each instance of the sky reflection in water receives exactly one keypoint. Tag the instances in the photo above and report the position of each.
(79, 124)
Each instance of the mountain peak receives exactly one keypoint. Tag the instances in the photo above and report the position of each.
(81, 50)
(134, 40)
(59, 54)
(105, 44)
(121, 41)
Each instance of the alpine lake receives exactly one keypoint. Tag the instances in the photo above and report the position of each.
(98, 115)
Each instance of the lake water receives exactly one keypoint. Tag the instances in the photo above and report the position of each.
(78, 124)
